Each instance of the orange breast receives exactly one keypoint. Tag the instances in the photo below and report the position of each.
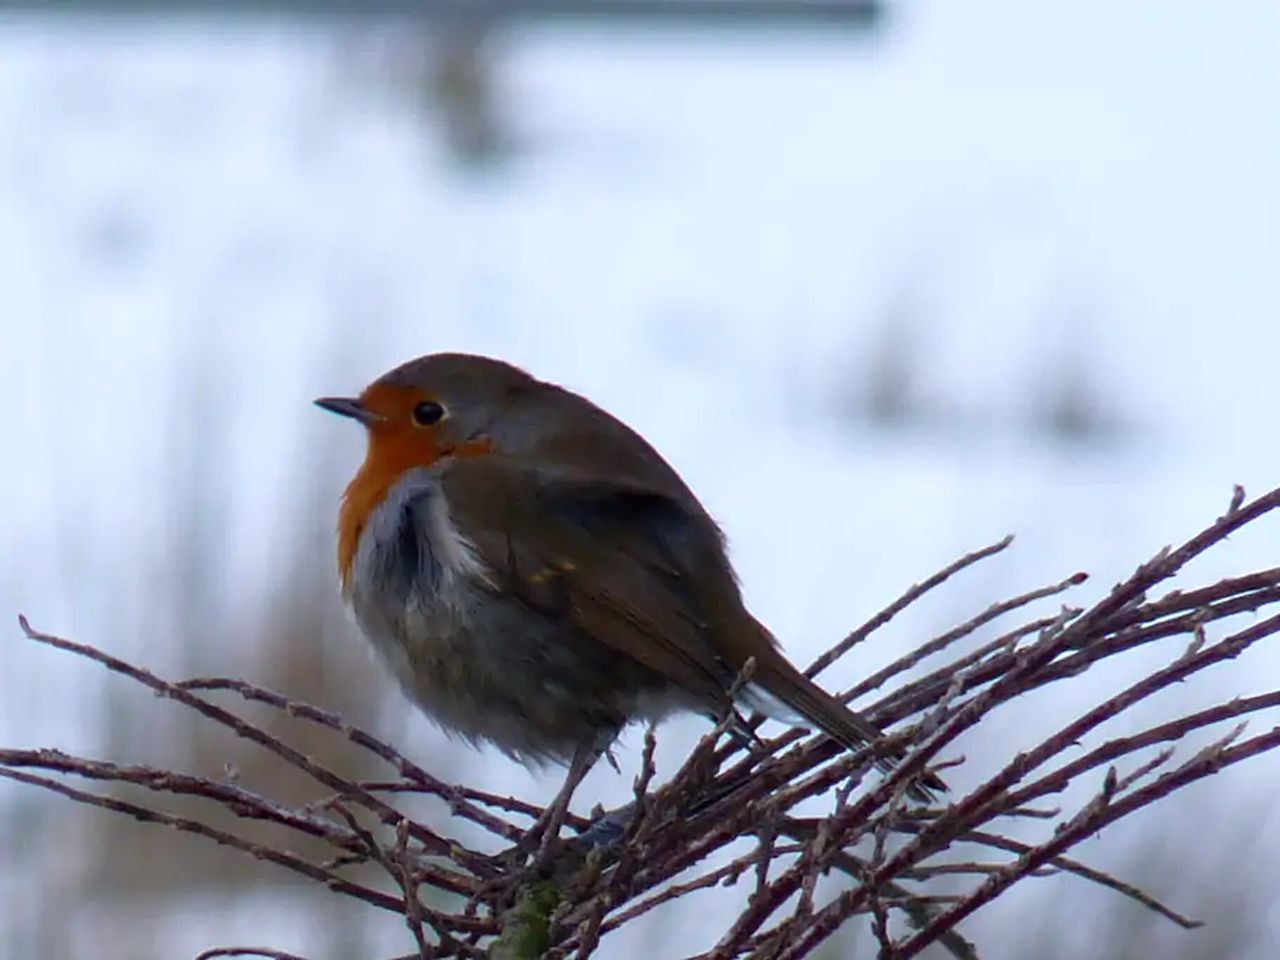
(388, 458)
(391, 454)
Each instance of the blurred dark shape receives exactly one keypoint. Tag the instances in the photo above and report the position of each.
(462, 86)
(1074, 406)
(460, 75)
(1072, 410)
(889, 395)
(679, 12)
(1062, 395)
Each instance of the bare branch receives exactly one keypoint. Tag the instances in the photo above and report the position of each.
(736, 798)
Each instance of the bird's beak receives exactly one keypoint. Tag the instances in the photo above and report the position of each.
(348, 407)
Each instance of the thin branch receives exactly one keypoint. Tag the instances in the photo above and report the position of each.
(740, 789)
(248, 731)
(458, 799)
(914, 593)
(259, 851)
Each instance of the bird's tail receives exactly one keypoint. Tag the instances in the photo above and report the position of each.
(778, 680)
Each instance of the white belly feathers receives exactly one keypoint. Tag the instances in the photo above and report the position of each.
(414, 575)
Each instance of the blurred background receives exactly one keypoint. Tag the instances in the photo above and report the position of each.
(884, 282)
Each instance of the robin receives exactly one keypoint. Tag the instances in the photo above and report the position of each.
(537, 576)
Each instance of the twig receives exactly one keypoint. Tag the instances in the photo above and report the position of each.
(259, 851)
(651, 852)
(914, 593)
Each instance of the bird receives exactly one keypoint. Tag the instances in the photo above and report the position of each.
(537, 577)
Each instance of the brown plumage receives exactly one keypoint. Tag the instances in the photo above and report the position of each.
(537, 576)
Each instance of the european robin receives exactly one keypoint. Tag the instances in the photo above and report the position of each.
(537, 576)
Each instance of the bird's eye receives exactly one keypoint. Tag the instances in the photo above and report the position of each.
(427, 412)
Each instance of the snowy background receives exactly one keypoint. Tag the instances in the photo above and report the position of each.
(881, 297)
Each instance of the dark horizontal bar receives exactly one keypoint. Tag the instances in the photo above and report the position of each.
(843, 13)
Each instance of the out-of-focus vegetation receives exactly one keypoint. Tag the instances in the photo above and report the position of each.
(164, 576)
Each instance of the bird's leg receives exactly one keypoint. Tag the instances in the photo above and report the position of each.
(546, 830)
(543, 833)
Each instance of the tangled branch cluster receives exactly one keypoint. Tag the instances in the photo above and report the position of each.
(656, 850)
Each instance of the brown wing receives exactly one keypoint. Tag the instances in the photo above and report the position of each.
(639, 571)
(623, 563)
